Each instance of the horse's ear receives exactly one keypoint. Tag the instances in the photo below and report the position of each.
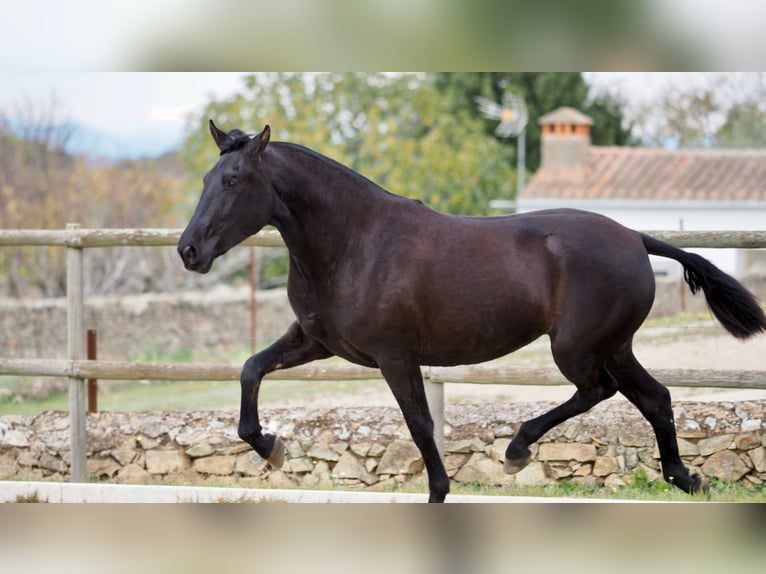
(259, 142)
(219, 136)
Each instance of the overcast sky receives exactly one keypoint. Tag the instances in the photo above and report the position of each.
(87, 35)
(45, 45)
(128, 113)
(142, 113)
(75, 34)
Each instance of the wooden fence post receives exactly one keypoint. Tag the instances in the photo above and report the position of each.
(253, 302)
(435, 398)
(78, 470)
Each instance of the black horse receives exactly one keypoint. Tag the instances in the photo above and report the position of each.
(384, 281)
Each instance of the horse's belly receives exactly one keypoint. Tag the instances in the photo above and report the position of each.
(469, 356)
(475, 342)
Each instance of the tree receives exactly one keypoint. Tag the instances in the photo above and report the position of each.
(680, 117)
(397, 130)
(744, 127)
(543, 92)
(706, 110)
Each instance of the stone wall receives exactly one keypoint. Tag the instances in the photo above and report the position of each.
(200, 326)
(370, 448)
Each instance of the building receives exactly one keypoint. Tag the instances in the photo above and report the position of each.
(647, 188)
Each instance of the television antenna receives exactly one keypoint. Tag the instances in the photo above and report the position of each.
(513, 117)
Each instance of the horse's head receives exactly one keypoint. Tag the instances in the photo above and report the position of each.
(237, 199)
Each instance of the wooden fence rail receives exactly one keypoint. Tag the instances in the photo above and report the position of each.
(169, 237)
(326, 371)
(77, 369)
(82, 238)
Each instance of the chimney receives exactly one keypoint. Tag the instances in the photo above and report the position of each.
(565, 138)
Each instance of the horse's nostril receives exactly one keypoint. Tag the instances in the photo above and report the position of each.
(189, 254)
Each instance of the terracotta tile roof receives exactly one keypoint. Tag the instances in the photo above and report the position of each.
(657, 174)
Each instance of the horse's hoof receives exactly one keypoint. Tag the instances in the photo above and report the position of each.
(277, 457)
(700, 485)
(514, 465)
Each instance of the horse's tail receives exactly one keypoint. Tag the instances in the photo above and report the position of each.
(735, 307)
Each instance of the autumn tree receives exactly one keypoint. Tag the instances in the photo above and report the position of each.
(44, 187)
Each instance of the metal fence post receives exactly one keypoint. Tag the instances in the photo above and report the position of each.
(78, 470)
(92, 355)
(435, 397)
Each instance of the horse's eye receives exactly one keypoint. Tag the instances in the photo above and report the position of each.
(231, 182)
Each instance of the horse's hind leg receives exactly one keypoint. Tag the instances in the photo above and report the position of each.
(594, 384)
(653, 401)
(292, 349)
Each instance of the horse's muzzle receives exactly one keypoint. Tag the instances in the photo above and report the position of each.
(191, 259)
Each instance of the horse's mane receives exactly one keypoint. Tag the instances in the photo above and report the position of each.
(236, 141)
(334, 164)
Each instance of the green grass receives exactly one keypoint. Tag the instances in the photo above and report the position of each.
(11, 401)
(640, 489)
(177, 396)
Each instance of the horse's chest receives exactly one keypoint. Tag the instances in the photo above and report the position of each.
(313, 305)
(314, 318)
(322, 327)
(313, 325)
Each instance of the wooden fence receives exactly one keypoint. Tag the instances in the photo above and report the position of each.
(78, 369)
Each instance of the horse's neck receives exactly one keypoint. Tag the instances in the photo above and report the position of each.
(319, 202)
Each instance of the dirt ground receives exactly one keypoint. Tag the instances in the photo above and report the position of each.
(698, 345)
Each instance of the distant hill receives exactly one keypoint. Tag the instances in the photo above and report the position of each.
(115, 147)
(96, 144)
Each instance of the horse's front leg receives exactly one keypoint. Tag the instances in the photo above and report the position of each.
(406, 382)
(290, 350)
